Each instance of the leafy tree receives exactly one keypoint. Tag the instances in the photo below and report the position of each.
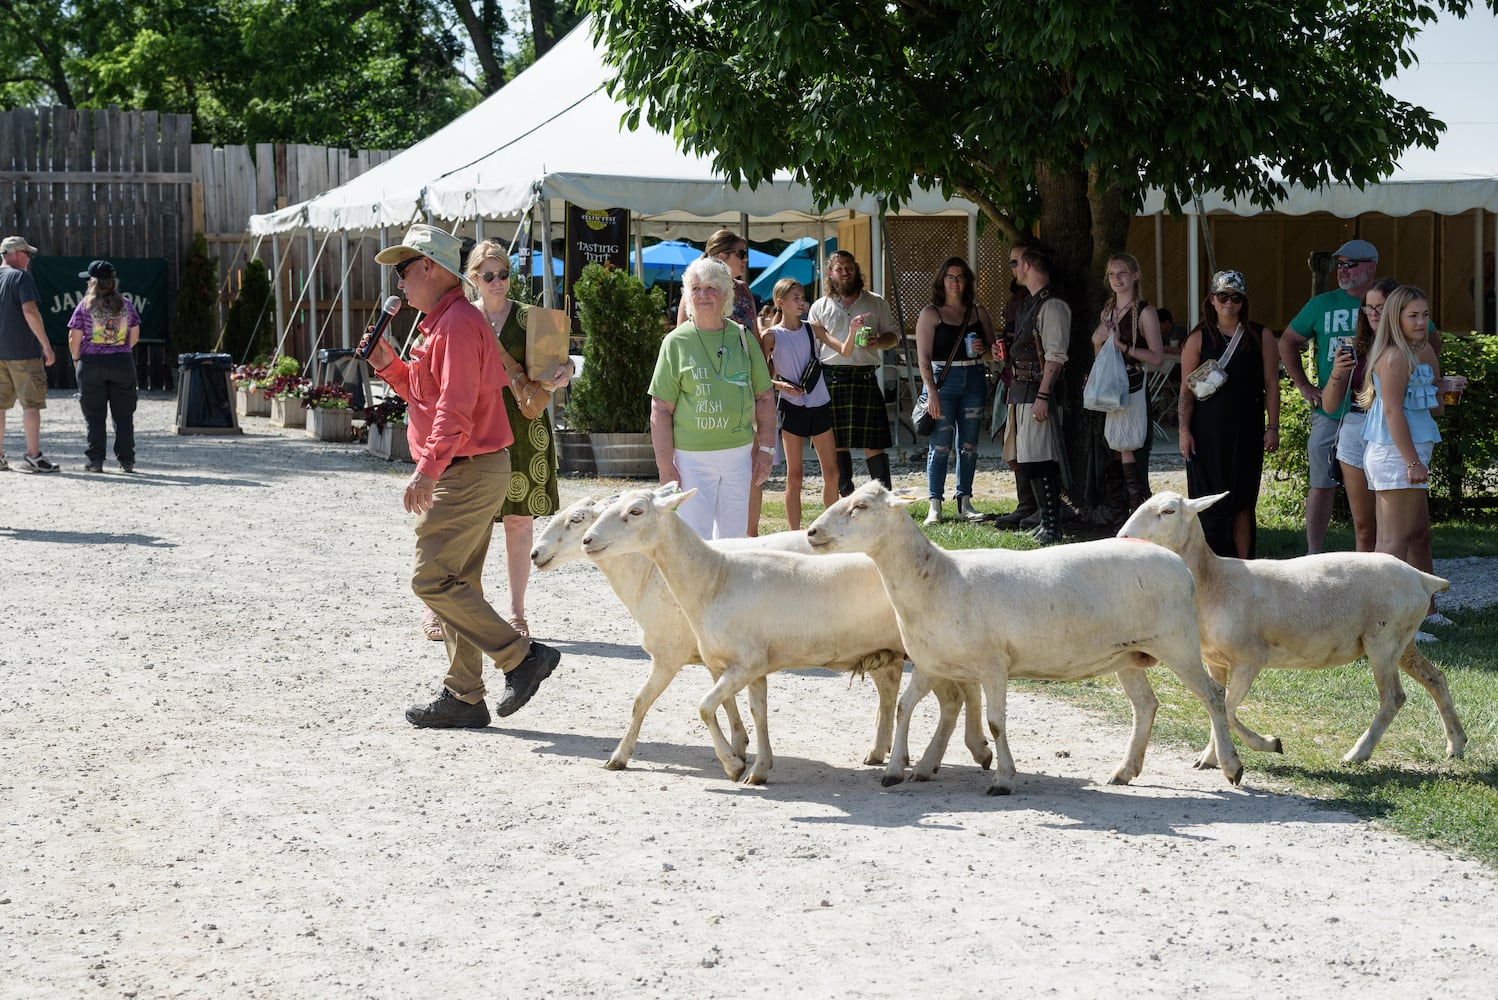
(197, 294)
(1058, 115)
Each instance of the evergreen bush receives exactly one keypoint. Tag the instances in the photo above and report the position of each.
(197, 297)
(249, 329)
(622, 336)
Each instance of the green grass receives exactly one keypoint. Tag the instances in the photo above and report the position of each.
(1409, 785)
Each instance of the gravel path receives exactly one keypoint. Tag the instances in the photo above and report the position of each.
(207, 791)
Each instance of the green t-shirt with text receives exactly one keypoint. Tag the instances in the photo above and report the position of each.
(1327, 321)
(711, 380)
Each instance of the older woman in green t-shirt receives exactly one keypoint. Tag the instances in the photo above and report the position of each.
(712, 413)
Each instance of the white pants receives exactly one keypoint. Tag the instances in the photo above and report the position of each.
(721, 478)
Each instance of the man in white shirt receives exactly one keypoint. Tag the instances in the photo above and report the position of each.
(859, 418)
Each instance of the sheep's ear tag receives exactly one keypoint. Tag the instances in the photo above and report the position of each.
(675, 500)
(609, 501)
(903, 498)
(667, 489)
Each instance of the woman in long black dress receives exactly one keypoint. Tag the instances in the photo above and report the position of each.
(1224, 438)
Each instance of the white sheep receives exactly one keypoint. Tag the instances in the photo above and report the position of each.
(1069, 612)
(1302, 614)
(667, 636)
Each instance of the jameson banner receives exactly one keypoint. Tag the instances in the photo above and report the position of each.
(142, 280)
(594, 236)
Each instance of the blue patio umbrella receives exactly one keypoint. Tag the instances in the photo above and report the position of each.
(798, 260)
(666, 260)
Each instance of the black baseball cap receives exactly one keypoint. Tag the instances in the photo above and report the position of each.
(98, 269)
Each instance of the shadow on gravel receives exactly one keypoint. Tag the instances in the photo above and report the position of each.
(84, 538)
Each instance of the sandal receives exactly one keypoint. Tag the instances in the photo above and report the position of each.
(431, 625)
(521, 626)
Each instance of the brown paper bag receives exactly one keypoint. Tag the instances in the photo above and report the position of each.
(546, 333)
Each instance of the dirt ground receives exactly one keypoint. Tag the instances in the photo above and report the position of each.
(207, 790)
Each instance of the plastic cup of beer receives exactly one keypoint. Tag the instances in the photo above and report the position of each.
(1451, 388)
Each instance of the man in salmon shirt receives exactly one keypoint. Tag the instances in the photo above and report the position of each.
(459, 438)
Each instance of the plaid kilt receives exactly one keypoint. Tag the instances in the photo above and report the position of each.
(859, 419)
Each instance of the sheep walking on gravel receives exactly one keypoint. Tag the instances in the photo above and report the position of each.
(1302, 614)
(1069, 612)
(666, 634)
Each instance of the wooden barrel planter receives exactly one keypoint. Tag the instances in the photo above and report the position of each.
(575, 453)
(623, 456)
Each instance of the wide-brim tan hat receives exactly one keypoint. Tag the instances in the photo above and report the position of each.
(441, 248)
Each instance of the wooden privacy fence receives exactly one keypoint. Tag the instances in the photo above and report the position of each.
(113, 183)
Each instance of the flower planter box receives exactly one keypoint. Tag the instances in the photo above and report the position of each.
(251, 403)
(391, 444)
(330, 425)
(288, 412)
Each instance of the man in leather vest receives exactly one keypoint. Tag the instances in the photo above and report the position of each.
(1032, 441)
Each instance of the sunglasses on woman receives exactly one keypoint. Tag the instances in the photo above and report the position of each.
(490, 276)
(1234, 297)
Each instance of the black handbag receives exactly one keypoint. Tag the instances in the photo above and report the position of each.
(812, 373)
(921, 418)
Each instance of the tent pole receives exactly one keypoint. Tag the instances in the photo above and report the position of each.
(548, 281)
(1160, 259)
(905, 343)
(275, 259)
(821, 257)
(384, 271)
(876, 254)
(343, 288)
(1479, 292)
(1193, 270)
(309, 286)
(637, 226)
(972, 243)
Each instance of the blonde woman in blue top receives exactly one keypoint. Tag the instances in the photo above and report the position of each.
(1400, 429)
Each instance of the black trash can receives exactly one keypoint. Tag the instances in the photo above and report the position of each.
(205, 396)
(339, 366)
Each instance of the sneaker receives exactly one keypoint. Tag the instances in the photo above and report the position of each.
(522, 682)
(1425, 637)
(1437, 619)
(39, 464)
(127, 467)
(91, 467)
(4, 465)
(447, 712)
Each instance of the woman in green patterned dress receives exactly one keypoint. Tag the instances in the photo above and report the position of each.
(533, 456)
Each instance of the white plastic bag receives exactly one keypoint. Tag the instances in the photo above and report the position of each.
(1107, 387)
(1125, 429)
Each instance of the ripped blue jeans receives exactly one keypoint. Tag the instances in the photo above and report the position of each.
(962, 397)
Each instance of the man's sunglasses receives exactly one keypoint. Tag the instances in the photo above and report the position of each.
(1348, 265)
(400, 269)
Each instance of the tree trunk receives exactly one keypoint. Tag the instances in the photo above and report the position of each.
(543, 15)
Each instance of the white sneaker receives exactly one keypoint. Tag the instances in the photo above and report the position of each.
(1425, 637)
(933, 512)
(1437, 619)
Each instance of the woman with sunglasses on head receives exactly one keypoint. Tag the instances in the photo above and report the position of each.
(1224, 437)
(1349, 374)
(1135, 329)
(533, 456)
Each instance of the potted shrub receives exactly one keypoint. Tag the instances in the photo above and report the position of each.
(250, 399)
(386, 424)
(328, 415)
(286, 387)
(610, 399)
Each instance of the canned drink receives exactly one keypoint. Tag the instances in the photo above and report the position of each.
(974, 344)
(999, 350)
(861, 338)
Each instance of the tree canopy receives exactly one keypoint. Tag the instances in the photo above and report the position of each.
(371, 73)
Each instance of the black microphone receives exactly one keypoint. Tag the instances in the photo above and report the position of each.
(387, 313)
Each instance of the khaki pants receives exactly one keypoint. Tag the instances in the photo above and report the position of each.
(452, 542)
